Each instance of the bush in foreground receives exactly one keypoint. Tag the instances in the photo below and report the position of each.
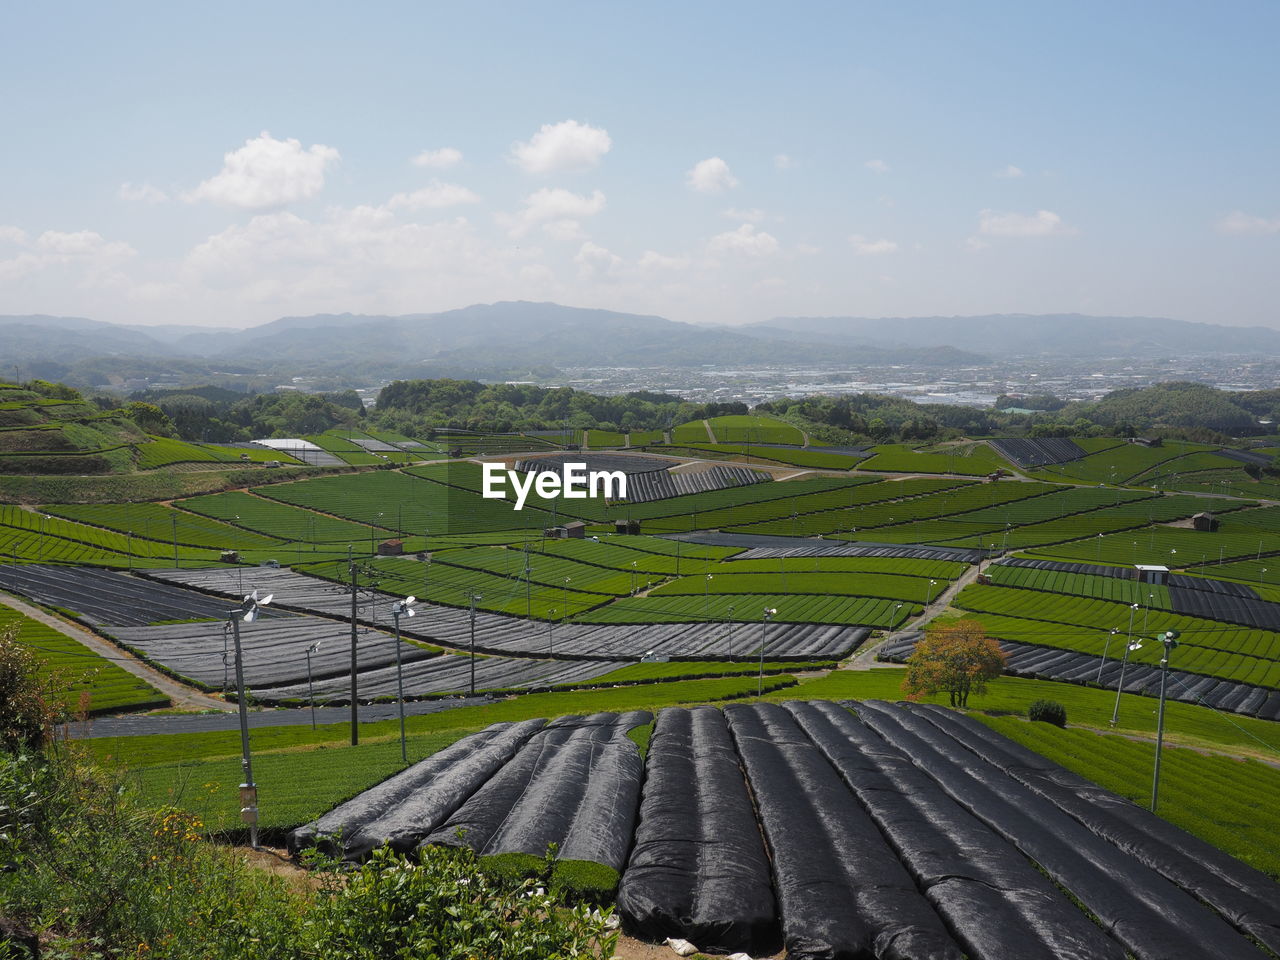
(97, 875)
(1048, 711)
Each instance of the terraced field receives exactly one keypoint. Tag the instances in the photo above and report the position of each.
(403, 502)
(152, 521)
(1207, 647)
(106, 688)
(970, 460)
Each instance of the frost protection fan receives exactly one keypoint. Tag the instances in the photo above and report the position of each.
(252, 604)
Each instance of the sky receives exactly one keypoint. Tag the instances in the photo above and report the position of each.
(714, 162)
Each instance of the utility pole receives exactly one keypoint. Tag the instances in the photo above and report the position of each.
(355, 708)
(475, 598)
(764, 626)
(1170, 640)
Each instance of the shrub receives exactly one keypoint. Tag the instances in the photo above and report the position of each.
(1048, 711)
(30, 704)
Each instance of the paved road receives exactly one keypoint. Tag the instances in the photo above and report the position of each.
(139, 726)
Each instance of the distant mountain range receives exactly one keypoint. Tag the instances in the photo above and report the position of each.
(515, 340)
(508, 337)
(1017, 334)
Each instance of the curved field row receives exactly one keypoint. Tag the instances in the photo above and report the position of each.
(1207, 647)
(971, 460)
(79, 671)
(454, 586)
(152, 521)
(1169, 546)
(401, 502)
(1120, 462)
(29, 535)
(819, 515)
(279, 520)
(747, 608)
(541, 569)
(887, 586)
(900, 566)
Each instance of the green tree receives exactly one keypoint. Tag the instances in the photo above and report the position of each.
(957, 659)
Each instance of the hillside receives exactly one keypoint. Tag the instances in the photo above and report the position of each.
(1068, 334)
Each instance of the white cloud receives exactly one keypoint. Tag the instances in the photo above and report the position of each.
(556, 209)
(85, 257)
(441, 159)
(433, 196)
(877, 166)
(749, 215)
(652, 260)
(1010, 173)
(141, 193)
(783, 162)
(358, 256)
(864, 247)
(592, 258)
(1042, 223)
(1239, 222)
(974, 244)
(559, 147)
(267, 172)
(711, 175)
(746, 240)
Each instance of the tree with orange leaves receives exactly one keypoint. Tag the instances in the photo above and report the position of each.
(957, 659)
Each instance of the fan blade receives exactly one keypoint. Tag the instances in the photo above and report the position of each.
(267, 599)
(250, 615)
(410, 600)
(254, 595)
(410, 611)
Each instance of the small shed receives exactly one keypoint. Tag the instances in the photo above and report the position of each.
(1150, 573)
(626, 526)
(1205, 522)
(575, 530)
(391, 548)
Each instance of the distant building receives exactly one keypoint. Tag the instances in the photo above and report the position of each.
(1205, 522)
(626, 526)
(575, 529)
(391, 548)
(1149, 573)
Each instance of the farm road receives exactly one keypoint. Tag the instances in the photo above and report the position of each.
(865, 658)
(181, 695)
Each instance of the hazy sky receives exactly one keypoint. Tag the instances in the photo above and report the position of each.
(231, 163)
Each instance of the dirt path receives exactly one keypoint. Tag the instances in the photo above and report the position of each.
(865, 658)
(182, 696)
(710, 433)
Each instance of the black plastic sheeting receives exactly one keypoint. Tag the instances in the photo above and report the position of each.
(1038, 452)
(1244, 896)
(576, 784)
(500, 634)
(998, 904)
(842, 892)
(1055, 663)
(404, 809)
(1153, 918)
(765, 546)
(698, 869)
